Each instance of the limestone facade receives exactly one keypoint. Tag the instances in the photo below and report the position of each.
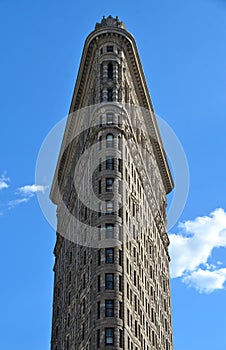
(111, 272)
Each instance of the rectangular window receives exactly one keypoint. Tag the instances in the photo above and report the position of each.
(109, 255)
(98, 309)
(99, 186)
(98, 283)
(136, 329)
(110, 48)
(98, 338)
(135, 278)
(109, 336)
(120, 165)
(119, 144)
(120, 257)
(110, 95)
(67, 343)
(109, 308)
(109, 281)
(109, 141)
(109, 184)
(84, 305)
(109, 118)
(109, 208)
(100, 142)
(120, 283)
(120, 338)
(83, 332)
(120, 310)
(109, 231)
(110, 163)
(99, 257)
(135, 302)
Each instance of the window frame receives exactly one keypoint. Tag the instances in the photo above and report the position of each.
(109, 255)
(109, 140)
(108, 230)
(109, 284)
(109, 182)
(109, 163)
(109, 336)
(109, 207)
(109, 307)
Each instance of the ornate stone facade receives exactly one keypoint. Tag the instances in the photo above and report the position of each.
(111, 272)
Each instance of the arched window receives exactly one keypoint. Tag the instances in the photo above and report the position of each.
(109, 140)
(110, 71)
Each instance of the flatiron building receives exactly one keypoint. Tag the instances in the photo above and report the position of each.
(111, 271)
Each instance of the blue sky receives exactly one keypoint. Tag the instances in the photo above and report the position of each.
(183, 52)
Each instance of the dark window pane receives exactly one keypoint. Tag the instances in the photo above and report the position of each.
(110, 163)
(98, 309)
(109, 184)
(98, 283)
(109, 308)
(109, 231)
(109, 140)
(109, 208)
(98, 338)
(110, 95)
(109, 281)
(109, 336)
(109, 118)
(109, 255)
(110, 71)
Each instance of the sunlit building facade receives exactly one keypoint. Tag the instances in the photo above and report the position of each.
(111, 272)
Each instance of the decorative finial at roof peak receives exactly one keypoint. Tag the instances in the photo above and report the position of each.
(110, 22)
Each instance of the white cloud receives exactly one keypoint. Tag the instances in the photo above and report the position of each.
(12, 204)
(4, 181)
(30, 190)
(191, 249)
(206, 281)
(26, 192)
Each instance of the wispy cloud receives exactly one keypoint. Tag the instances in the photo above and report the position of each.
(30, 190)
(4, 181)
(12, 204)
(191, 250)
(26, 192)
